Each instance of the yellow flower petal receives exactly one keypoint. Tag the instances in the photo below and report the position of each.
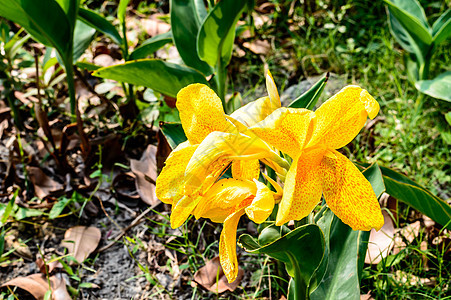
(219, 149)
(340, 118)
(168, 188)
(262, 205)
(255, 111)
(272, 90)
(286, 129)
(246, 169)
(227, 246)
(349, 195)
(201, 112)
(182, 209)
(302, 189)
(224, 196)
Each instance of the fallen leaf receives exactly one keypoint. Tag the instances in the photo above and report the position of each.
(212, 277)
(258, 46)
(124, 187)
(154, 26)
(49, 267)
(37, 285)
(366, 296)
(407, 233)
(81, 241)
(43, 184)
(145, 171)
(381, 242)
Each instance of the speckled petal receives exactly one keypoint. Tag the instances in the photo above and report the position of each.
(255, 111)
(201, 112)
(182, 209)
(340, 118)
(168, 187)
(287, 129)
(349, 195)
(302, 189)
(227, 245)
(223, 197)
(246, 169)
(272, 90)
(262, 205)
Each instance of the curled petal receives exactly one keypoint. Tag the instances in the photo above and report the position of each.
(262, 204)
(201, 112)
(339, 119)
(287, 129)
(227, 245)
(246, 169)
(168, 187)
(272, 90)
(255, 111)
(224, 196)
(349, 195)
(302, 189)
(219, 149)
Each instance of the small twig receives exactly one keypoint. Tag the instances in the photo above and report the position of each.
(135, 222)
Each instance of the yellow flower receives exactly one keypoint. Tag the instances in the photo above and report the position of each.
(310, 138)
(225, 202)
(214, 142)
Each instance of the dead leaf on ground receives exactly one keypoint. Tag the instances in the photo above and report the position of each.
(381, 242)
(407, 233)
(81, 241)
(258, 46)
(145, 171)
(20, 249)
(154, 26)
(47, 268)
(212, 277)
(37, 285)
(43, 184)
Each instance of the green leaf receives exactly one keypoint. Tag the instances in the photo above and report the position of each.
(23, 213)
(121, 10)
(441, 29)
(70, 8)
(309, 98)
(409, 192)
(174, 133)
(7, 210)
(163, 77)
(58, 207)
(100, 23)
(411, 16)
(45, 20)
(151, 45)
(83, 36)
(301, 250)
(185, 22)
(405, 39)
(374, 175)
(345, 246)
(439, 87)
(217, 32)
(448, 117)
(87, 66)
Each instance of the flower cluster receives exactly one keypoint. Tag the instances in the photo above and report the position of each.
(192, 180)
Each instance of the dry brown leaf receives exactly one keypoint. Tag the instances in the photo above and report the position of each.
(258, 46)
(366, 296)
(408, 233)
(212, 277)
(43, 184)
(37, 285)
(81, 241)
(145, 171)
(49, 266)
(381, 241)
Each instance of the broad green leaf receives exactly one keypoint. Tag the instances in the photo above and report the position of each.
(309, 98)
(411, 16)
(83, 36)
(374, 175)
(201, 10)
(448, 117)
(15, 43)
(87, 66)
(58, 207)
(100, 23)
(439, 87)
(403, 37)
(45, 20)
(151, 45)
(174, 133)
(217, 32)
(163, 77)
(185, 22)
(301, 250)
(441, 29)
(409, 192)
(121, 10)
(70, 8)
(345, 246)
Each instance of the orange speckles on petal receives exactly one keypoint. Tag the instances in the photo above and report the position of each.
(349, 195)
(246, 169)
(201, 112)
